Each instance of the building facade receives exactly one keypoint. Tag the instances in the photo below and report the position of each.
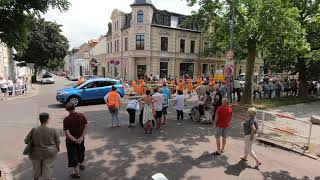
(98, 61)
(6, 62)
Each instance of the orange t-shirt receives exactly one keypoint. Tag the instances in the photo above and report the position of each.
(113, 99)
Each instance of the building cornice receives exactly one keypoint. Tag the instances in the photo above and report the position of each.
(180, 29)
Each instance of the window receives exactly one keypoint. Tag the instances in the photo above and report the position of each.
(118, 46)
(164, 20)
(106, 83)
(117, 25)
(206, 46)
(192, 46)
(115, 46)
(111, 47)
(182, 45)
(108, 50)
(164, 43)
(140, 42)
(163, 69)
(125, 44)
(140, 16)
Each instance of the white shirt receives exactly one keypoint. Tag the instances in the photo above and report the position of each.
(3, 83)
(237, 84)
(158, 105)
(134, 104)
(19, 82)
(10, 83)
(179, 100)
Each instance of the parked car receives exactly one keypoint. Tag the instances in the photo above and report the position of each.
(91, 90)
(47, 79)
(74, 77)
(87, 77)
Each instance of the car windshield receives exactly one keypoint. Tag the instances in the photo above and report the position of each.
(47, 76)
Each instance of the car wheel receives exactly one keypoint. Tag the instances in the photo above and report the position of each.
(74, 100)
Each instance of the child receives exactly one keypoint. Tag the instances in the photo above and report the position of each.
(179, 104)
(132, 107)
(165, 105)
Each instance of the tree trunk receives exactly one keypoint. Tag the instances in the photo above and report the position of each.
(303, 84)
(246, 98)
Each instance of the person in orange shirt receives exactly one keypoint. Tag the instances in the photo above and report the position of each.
(199, 81)
(134, 86)
(190, 86)
(113, 101)
(81, 80)
(142, 84)
(181, 85)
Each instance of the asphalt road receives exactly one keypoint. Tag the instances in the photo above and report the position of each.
(179, 150)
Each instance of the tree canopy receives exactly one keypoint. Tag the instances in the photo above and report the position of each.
(260, 24)
(46, 45)
(14, 15)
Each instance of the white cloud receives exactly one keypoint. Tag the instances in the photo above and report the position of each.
(88, 19)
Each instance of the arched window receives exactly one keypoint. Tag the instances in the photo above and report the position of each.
(140, 16)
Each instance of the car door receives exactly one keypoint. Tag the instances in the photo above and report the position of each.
(90, 91)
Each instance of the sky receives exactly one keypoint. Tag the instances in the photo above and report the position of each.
(88, 19)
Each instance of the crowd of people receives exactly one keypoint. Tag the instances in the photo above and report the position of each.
(9, 87)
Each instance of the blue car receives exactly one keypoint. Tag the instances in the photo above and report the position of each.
(91, 90)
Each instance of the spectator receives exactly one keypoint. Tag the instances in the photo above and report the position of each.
(278, 88)
(132, 107)
(157, 106)
(217, 101)
(266, 89)
(147, 100)
(45, 147)
(223, 119)
(165, 105)
(113, 101)
(201, 90)
(237, 86)
(75, 128)
(286, 87)
(229, 86)
(207, 106)
(294, 88)
(223, 89)
(166, 90)
(250, 128)
(4, 87)
(10, 87)
(179, 104)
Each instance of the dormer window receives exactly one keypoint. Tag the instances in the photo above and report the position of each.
(140, 16)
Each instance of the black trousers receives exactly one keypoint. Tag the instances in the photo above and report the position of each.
(75, 153)
(132, 114)
(179, 114)
(238, 90)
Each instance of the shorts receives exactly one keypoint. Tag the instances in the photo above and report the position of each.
(75, 154)
(221, 132)
(158, 114)
(43, 168)
(165, 110)
(4, 90)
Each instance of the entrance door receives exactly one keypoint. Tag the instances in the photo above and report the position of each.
(81, 70)
(163, 69)
(187, 69)
(103, 72)
(205, 69)
(141, 71)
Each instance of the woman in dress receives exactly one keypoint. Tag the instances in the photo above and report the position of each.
(148, 116)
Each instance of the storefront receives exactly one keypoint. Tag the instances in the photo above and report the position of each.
(187, 69)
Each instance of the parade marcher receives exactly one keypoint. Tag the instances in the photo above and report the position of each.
(148, 116)
(165, 105)
(190, 86)
(134, 86)
(250, 128)
(43, 145)
(181, 85)
(4, 87)
(81, 80)
(75, 126)
(132, 107)
(201, 90)
(199, 81)
(113, 101)
(222, 124)
(237, 86)
(157, 105)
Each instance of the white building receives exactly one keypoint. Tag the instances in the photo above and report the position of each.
(99, 64)
(6, 62)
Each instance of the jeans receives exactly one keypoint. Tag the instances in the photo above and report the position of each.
(179, 114)
(248, 146)
(114, 117)
(132, 114)
(238, 90)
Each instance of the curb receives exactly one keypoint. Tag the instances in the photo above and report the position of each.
(272, 144)
(35, 89)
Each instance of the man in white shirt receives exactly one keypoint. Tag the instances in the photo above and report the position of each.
(238, 89)
(4, 87)
(158, 106)
(10, 86)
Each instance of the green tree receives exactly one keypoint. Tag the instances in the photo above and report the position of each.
(258, 24)
(304, 61)
(14, 15)
(46, 46)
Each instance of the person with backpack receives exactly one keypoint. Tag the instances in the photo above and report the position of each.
(250, 128)
(113, 101)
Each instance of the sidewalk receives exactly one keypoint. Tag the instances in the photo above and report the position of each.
(33, 90)
(5, 173)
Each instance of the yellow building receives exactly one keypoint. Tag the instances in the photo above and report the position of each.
(151, 41)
